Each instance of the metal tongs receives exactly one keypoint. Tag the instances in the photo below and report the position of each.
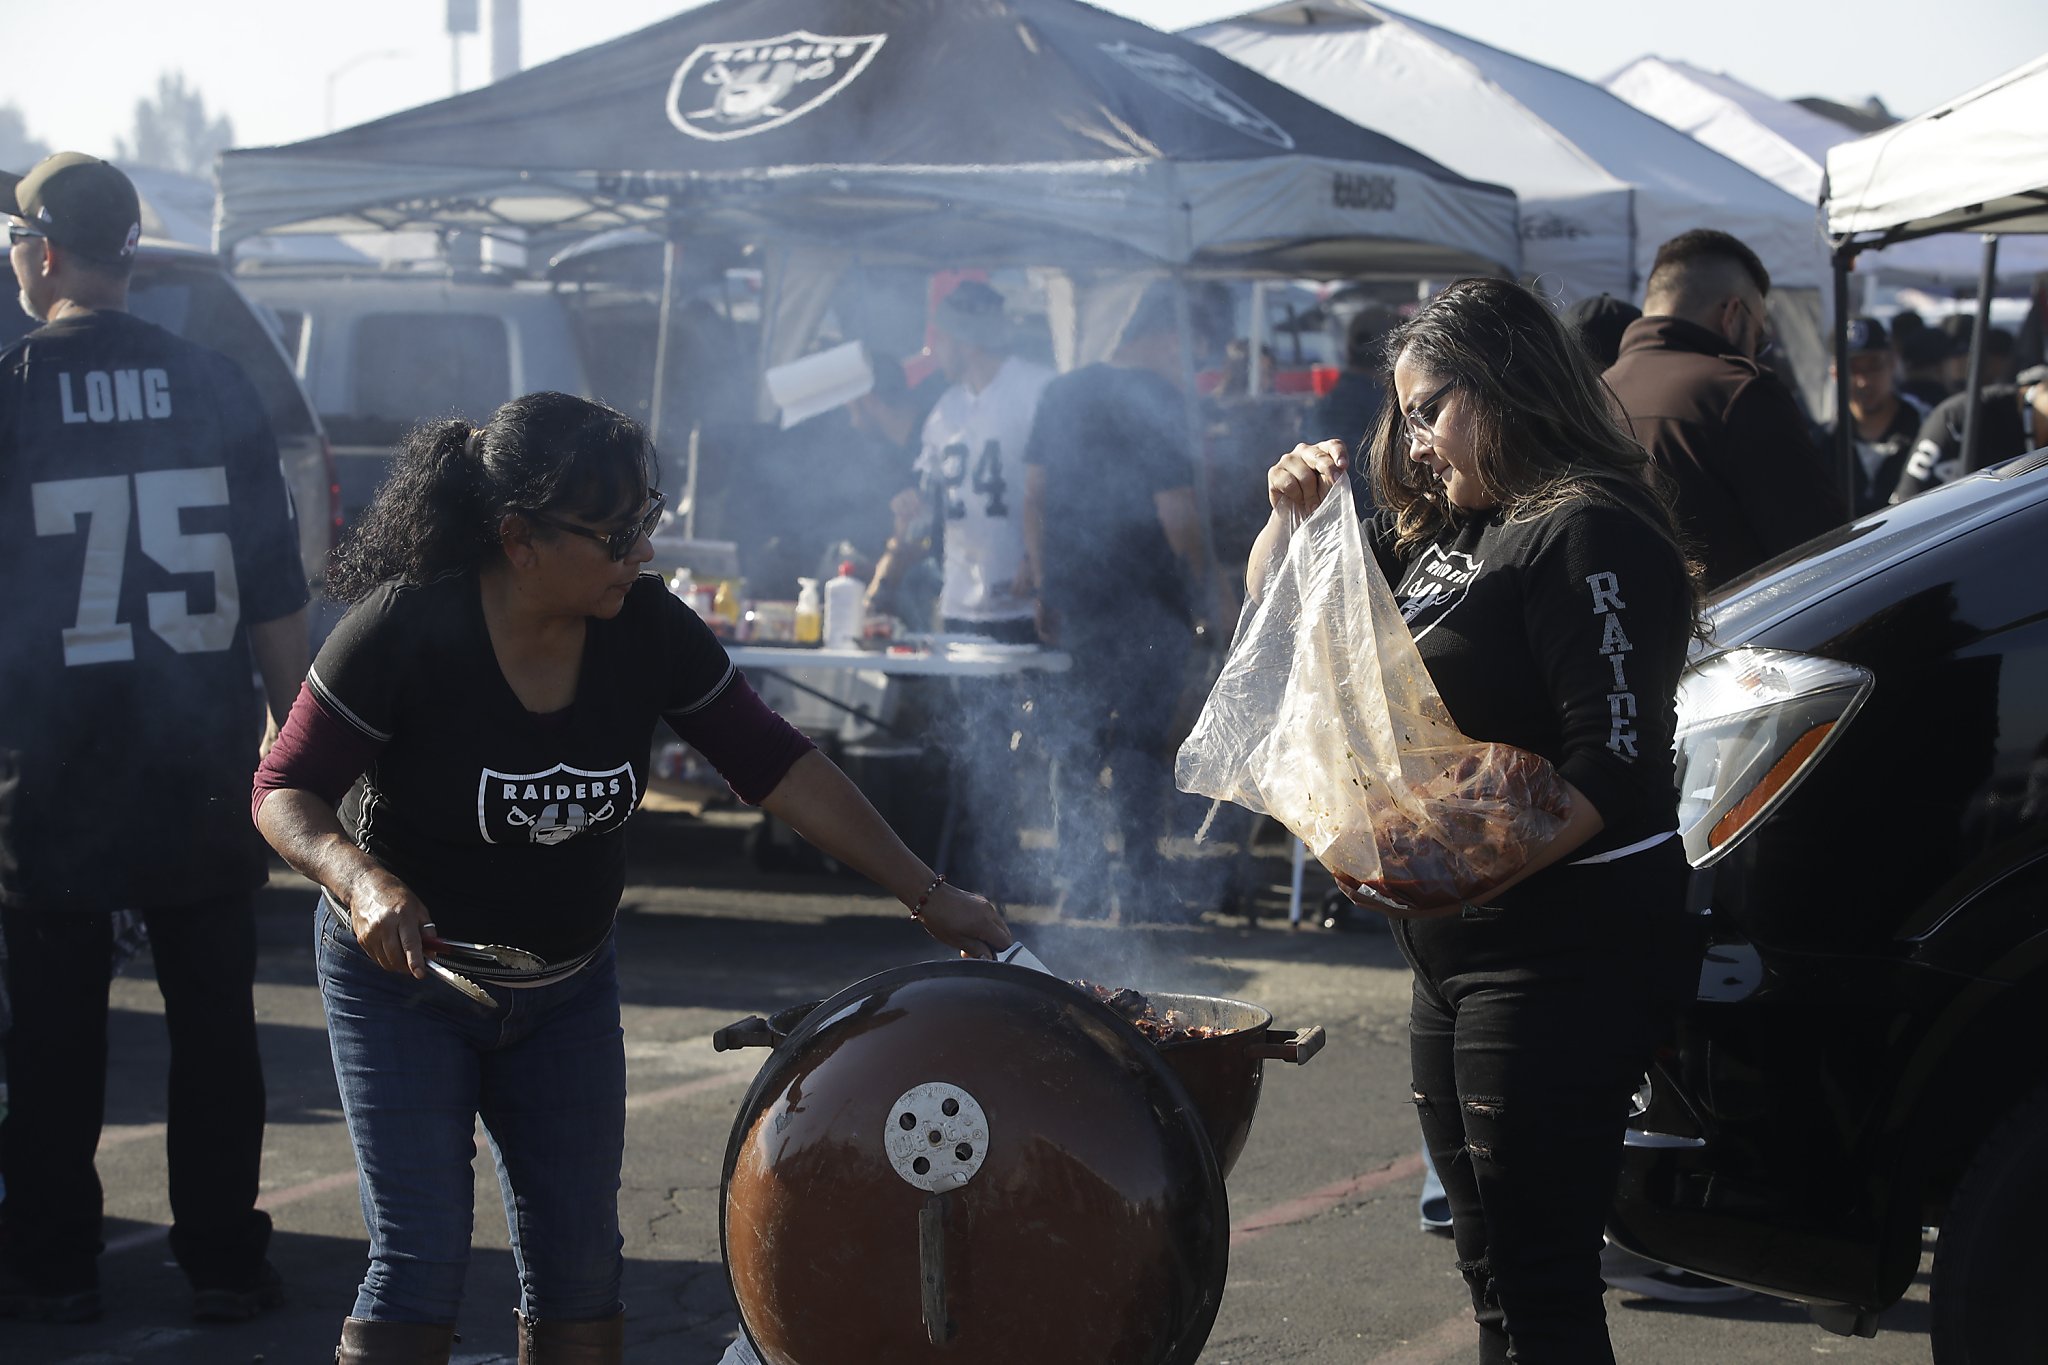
(1018, 955)
(488, 957)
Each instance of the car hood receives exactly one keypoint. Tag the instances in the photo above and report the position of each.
(1779, 588)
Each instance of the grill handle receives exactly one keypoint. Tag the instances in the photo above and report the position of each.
(752, 1031)
(1284, 1045)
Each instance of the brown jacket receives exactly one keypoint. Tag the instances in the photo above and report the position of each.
(1731, 441)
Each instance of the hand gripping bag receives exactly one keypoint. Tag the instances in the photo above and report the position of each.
(1325, 718)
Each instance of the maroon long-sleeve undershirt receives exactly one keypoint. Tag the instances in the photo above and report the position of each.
(751, 746)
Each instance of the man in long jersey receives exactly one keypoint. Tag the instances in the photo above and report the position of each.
(148, 569)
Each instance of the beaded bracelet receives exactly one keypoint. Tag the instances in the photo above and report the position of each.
(924, 899)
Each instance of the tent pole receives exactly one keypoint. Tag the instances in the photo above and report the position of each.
(657, 403)
(1845, 421)
(1191, 400)
(1986, 281)
(1255, 358)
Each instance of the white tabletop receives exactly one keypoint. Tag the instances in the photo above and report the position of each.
(933, 658)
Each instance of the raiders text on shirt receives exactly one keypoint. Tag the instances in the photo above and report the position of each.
(1621, 702)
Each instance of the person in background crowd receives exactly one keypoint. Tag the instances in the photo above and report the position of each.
(149, 572)
(2012, 419)
(905, 582)
(1116, 544)
(1887, 421)
(1723, 431)
(1348, 410)
(1115, 540)
(2030, 347)
(459, 768)
(1598, 323)
(1524, 537)
(968, 465)
(1998, 353)
(1923, 358)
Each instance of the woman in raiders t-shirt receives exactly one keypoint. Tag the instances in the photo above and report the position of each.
(1542, 578)
(459, 768)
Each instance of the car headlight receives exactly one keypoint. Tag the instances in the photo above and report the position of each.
(1751, 725)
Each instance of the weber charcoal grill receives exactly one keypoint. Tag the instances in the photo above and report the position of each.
(970, 1161)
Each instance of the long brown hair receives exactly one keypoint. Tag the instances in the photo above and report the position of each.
(1546, 430)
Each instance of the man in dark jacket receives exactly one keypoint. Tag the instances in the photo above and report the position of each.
(1722, 429)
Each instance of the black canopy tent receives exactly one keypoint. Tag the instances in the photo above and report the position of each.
(1024, 131)
(939, 133)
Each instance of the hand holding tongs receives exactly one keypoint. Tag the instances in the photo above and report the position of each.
(490, 957)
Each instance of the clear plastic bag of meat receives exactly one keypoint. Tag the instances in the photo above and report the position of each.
(1324, 718)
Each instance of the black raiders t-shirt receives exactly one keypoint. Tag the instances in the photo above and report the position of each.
(509, 826)
(144, 525)
(1563, 635)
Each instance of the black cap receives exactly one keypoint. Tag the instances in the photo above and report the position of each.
(973, 312)
(1867, 334)
(79, 202)
(1599, 322)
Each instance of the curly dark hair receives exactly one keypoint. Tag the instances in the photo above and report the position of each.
(451, 485)
(1546, 429)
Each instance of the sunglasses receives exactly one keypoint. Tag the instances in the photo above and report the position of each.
(17, 234)
(618, 544)
(1420, 420)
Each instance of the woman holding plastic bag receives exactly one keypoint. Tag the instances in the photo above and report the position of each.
(1541, 576)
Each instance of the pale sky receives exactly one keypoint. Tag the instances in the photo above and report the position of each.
(278, 67)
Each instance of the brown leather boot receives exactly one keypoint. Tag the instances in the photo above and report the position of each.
(602, 1342)
(394, 1343)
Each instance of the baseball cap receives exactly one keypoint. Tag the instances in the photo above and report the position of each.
(1599, 322)
(1867, 334)
(973, 312)
(80, 202)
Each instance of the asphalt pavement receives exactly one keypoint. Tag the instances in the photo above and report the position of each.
(1326, 1265)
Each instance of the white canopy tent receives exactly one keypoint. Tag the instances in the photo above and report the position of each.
(1601, 184)
(1788, 145)
(1978, 163)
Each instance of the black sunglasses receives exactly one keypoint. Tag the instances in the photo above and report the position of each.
(16, 235)
(1420, 420)
(618, 544)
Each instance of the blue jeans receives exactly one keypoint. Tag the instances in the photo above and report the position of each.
(417, 1064)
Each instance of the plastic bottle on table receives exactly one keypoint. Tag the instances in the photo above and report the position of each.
(845, 606)
(809, 620)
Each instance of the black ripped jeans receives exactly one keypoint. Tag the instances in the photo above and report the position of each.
(1532, 1023)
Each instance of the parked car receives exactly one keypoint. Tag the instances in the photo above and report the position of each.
(1863, 763)
(380, 353)
(184, 290)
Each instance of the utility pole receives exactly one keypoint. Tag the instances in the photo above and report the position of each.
(504, 38)
(462, 18)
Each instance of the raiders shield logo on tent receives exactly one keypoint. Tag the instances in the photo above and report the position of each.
(555, 806)
(728, 90)
(1174, 76)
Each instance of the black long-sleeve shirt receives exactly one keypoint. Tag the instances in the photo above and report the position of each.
(1563, 635)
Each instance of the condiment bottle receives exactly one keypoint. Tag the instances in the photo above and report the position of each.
(810, 621)
(844, 607)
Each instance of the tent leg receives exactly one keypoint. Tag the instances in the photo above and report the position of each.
(1987, 280)
(1845, 421)
(657, 403)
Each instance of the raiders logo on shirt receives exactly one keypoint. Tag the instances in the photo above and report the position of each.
(554, 806)
(1433, 585)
